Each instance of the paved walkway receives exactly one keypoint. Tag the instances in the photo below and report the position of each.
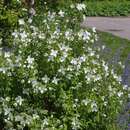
(119, 26)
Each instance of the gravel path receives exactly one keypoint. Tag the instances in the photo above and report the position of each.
(119, 26)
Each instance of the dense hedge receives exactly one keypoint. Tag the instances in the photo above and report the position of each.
(94, 7)
(107, 8)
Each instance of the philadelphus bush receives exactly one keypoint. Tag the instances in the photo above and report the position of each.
(53, 79)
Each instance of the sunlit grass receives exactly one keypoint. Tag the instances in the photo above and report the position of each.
(114, 43)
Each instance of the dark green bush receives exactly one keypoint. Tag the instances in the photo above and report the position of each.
(108, 8)
(10, 11)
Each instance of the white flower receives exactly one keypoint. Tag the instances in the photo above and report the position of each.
(55, 80)
(62, 70)
(3, 70)
(35, 116)
(30, 20)
(120, 94)
(82, 58)
(45, 122)
(97, 78)
(86, 35)
(21, 22)
(23, 35)
(7, 54)
(45, 79)
(103, 47)
(74, 61)
(54, 53)
(7, 111)
(84, 17)
(19, 100)
(65, 54)
(75, 123)
(80, 33)
(104, 115)
(30, 60)
(34, 82)
(80, 7)
(94, 29)
(7, 99)
(92, 53)
(61, 13)
(118, 78)
(64, 48)
(41, 36)
(105, 103)
(94, 107)
(24, 9)
(86, 101)
(67, 34)
(18, 118)
(119, 63)
(69, 68)
(35, 29)
(18, 0)
(72, 6)
(42, 89)
(125, 87)
(15, 34)
(106, 68)
(62, 59)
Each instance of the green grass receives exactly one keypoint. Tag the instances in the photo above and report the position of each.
(114, 43)
(108, 8)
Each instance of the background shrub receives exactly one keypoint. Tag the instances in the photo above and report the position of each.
(10, 11)
(107, 8)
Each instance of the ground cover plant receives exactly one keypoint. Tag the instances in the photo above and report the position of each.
(53, 77)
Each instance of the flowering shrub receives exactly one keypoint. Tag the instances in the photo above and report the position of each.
(53, 78)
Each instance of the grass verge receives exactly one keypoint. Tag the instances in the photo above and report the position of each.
(114, 43)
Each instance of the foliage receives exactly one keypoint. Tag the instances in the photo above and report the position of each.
(94, 7)
(53, 4)
(108, 8)
(10, 12)
(53, 79)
